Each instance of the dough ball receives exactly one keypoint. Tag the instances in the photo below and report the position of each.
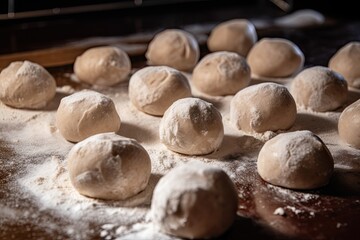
(221, 73)
(237, 35)
(86, 113)
(153, 89)
(349, 125)
(192, 126)
(346, 62)
(108, 166)
(319, 89)
(275, 57)
(297, 160)
(194, 201)
(263, 107)
(103, 66)
(174, 48)
(301, 18)
(26, 85)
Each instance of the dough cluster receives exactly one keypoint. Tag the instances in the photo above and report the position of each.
(296, 160)
(275, 57)
(221, 73)
(194, 201)
(319, 89)
(108, 166)
(349, 125)
(174, 48)
(153, 89)
(86, 113)
(26, 85)
(103, 66)
(192, 126)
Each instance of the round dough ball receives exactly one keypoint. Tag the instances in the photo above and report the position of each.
(86, 113)
(296, 160)
(349, 125)
(174, 48)
(108, 166)
(346, 62)
(237, 35)
(26, 85)
(275, 57)
(194, 201)
(263, 107)
(221, 73)
(319, 89)
(103, 66)
(153, 89)
(192, 126)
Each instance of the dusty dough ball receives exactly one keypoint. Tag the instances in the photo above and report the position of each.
(191, 126)
(26, 85)
(86, 113)
(349, 125)
(174, 48)
(275, 57)
(221, 73)
(346, 62)
(153, 89)
(103, 66)
(263, 107)
(108, 166)
(319, 89)
(194, 201)
(296, 160)
(237, 35)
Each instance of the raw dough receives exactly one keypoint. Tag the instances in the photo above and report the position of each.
(263, 107)
(237, 35)
(86, 113)
(26, 85)
(319, 89)
(174, 48)
(194, 201)
(349, 125)
(153, 89)
(109, 166)
(192, 126)
(301, 18)
(297, 160)
(104, 66)
(346, 62)
(275, 57)
(221, 73)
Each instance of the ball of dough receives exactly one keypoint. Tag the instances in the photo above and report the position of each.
(26, 85)
(192, 126)
(103, 66)
(297, 160)
(275, 57)
(300, 18)
(346, 62)
(237, 35)
(319, 89)
(221, 73)
(108, 166)
(153, 89)
(86, 113)
(174, 48)
(194, 201)
(349, 125)
(263, 107)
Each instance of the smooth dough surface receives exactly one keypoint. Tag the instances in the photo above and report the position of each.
(194, 201)
(109, 166)
(296, 160)
(349, 125)
(26, 85)
(153, 89)
(191, 126)
(86, 113)
(221, 73)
